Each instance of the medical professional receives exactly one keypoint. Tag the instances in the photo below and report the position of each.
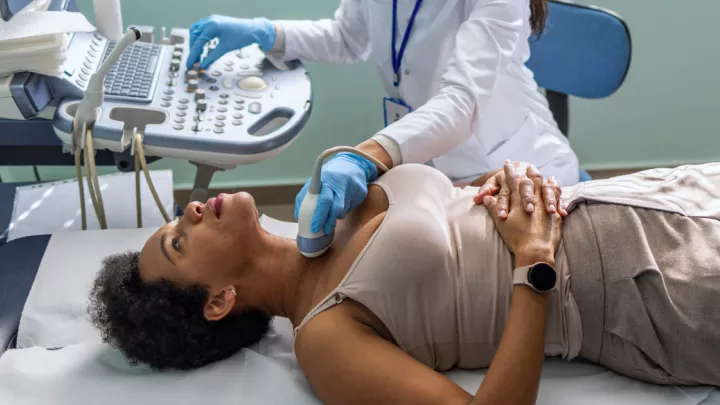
(459, 95)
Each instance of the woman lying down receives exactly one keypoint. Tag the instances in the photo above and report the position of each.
(420, 279)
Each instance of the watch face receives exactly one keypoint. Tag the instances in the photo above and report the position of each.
(542, 276)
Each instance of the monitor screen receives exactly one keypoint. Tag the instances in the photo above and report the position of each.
(8, 8)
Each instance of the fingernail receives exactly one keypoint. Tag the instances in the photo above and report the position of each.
(507, 161)
(552, 207)
(551, 178)
(502, 213)
(530, 207)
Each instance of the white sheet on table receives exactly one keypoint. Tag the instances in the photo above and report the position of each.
(88, 372)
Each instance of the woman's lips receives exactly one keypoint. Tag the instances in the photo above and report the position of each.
(216, 205)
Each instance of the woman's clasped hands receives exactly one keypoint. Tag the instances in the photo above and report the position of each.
(511, 195)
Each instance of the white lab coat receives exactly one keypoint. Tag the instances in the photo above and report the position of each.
(475, 103)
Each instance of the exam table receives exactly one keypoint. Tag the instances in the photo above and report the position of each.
(44, 282)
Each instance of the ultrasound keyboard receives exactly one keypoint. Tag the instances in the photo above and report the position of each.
(133, 77)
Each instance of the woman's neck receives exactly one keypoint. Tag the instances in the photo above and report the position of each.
(291, 280)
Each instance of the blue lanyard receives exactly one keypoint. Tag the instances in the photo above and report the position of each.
(397, 57)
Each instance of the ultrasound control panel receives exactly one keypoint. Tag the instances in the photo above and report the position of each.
(242, 109)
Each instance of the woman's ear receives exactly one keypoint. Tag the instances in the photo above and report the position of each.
(220, 304)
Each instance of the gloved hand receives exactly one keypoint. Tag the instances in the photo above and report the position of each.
(233, 33)
(344, 180)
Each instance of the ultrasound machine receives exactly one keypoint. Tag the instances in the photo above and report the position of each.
(243, 109)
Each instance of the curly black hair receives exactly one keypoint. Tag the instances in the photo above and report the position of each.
(161, 323)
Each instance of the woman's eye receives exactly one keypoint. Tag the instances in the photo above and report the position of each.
(176, 244)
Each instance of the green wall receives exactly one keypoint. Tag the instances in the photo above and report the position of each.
(664, 114)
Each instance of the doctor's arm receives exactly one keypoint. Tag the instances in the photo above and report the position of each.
(343, 39)
(484, 45)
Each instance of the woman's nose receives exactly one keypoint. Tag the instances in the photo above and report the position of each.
(193, 211)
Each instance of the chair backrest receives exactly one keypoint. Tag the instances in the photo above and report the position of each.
(584, 51)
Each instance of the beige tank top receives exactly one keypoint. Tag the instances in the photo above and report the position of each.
(439, 276)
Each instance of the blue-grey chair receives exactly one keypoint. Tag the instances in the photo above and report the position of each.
(585, 52)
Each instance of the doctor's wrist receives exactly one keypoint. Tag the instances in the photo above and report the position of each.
(265, 34)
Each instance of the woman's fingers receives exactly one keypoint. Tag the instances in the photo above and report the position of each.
(557, 191)
(503, 201)
(531, 187)
(513, 178)
(491, 205)
(550, 197)
(490, 188)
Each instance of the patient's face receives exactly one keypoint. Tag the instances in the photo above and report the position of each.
(206, 246)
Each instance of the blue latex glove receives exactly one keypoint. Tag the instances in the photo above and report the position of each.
(344, 180)
(232, 33)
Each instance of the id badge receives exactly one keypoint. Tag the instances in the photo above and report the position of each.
(395, 109)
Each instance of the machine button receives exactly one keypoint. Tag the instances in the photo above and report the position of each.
(220, 117)
(182, 107)
(167, 98)
(192, 85)
(216, 73)
(211, 80)
(97, 36)
(93, 47)
(82, 69)
(88, 60)
(166, 104)
(178, 127)
(184, 101)
(170, 82)
(87, 64)
(221, 109)
(92, 53)
(227, 82)
(239, 107)
(244, 67)
(229, 63)
(175, 65)
(181, 113)
(255, 108)
(228, 69)
(214, 88)
(259, 66)
(202, 105)
(237, 116)
(199, 94)
(80, 82)
(252, 83)
(219, 124)
(169, 92)
(237, 122)
(177, 54)
(198, 118)
(224, 96)
(222, 102)
(240, 55)
(191, 74)
(179, 47)
(274, 78)
(239, 101)
(219, 130)
(180, 120)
